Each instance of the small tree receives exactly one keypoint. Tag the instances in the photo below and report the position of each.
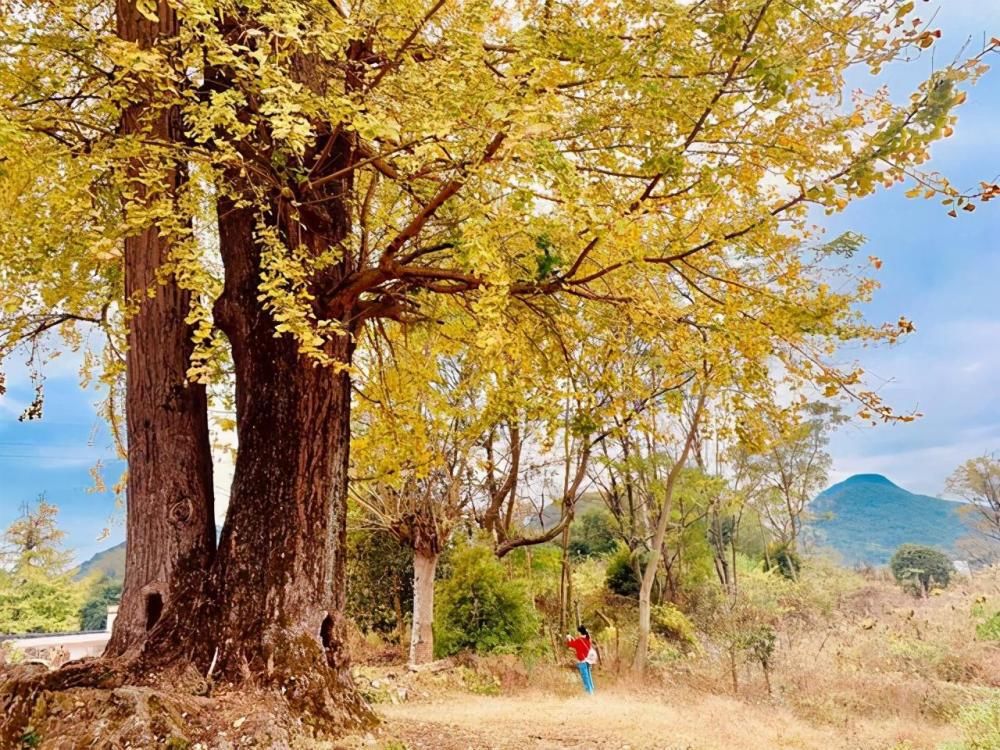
(978, 481)
(793, 466)
(37, 592)
(480, 609)
(919, 568)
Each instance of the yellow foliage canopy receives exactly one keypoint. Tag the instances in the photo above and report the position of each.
(517, 167)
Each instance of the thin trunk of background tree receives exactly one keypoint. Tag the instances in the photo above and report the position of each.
(422, 631)
(653, 563)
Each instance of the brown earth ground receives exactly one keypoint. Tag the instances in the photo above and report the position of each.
(459, 707)
(621, 721)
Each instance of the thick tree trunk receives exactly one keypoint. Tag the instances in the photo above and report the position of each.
(422, 630)
(170, 533)
(278, 615)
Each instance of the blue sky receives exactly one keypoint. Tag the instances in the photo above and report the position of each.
(942, 273)
(55, 456)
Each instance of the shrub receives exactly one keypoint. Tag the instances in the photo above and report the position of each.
(479, 609)
(379, 582)
(589, 593)
(784, 559)
(918, 568)
(670, 622)
(989, 629)
(621, 578)
(592, 535)
(662, 653)
(539, 569)
(758, 642)
(980, 723)
(914, 655)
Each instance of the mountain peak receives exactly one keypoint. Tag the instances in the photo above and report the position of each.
(869, 479)
(867, 516)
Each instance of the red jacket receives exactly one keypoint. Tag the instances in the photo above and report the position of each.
(580, 645)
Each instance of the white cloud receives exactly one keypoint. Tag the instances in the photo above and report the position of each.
(960, 404)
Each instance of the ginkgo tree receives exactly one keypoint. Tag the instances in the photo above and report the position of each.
(416, 427)
(261, 181)
(441, 435)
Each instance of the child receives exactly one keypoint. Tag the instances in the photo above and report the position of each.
(586, 655)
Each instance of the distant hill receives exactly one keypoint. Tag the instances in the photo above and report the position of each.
(587, 502)
(109, 563)
(866, 517)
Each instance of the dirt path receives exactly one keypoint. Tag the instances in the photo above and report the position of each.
(617, 721)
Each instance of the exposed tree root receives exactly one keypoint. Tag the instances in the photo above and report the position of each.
(101, 703)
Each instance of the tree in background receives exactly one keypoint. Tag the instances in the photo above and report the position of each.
(733, 490)
(94, 612)
(416, 430)
(659, 491)
(419, 509)
(689, 552)
(592, 535)
(793, 465)
(480, 608)
(978, 481)
(920, 568)
(231, 182)
(379, 582)
(37, 590)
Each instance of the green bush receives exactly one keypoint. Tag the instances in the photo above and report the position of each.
(670, 622)
(379, 582)
(620, 577)
(784, 559)
(662, 653)
(980, 723)
(589, 593)
(479, 609)
(592, 535)
(919, 569)
(758, 641)
(989, 629)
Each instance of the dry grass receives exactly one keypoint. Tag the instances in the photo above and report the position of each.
(859, 667)
(618, 720)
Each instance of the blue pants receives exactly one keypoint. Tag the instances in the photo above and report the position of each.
(588, 681)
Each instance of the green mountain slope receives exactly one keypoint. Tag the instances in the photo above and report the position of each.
(866, 517)
(587, 502)
(110, 563)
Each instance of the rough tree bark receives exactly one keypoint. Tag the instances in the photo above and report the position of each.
(170, 533)
(170, 528)
(270, 610)
(279, 581)
(422, 632)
